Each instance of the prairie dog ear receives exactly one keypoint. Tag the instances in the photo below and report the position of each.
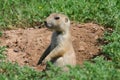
(66, 20)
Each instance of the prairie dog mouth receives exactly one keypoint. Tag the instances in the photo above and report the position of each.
(49, 25)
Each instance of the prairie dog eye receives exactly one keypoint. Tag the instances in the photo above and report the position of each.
(57, 18)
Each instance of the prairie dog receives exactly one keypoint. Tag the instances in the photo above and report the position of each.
(60, 51)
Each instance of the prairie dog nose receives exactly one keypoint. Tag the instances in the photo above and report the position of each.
(45, 22)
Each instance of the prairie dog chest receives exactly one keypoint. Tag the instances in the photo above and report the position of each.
(57, 39)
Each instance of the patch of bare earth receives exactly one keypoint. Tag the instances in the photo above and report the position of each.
(25, 46)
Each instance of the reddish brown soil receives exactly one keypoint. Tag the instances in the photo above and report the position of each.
(25, 46)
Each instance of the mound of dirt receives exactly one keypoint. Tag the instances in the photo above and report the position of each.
(25, 46)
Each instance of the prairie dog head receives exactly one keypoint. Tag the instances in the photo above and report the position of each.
(57, 22)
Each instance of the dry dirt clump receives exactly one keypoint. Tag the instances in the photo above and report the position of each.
(25, 46)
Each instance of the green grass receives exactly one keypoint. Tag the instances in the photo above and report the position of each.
(14, 72)
(24, 13)
(99, 70)
(2, 55)
(113, 48)
(0, 34)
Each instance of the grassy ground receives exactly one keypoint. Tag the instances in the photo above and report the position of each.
(23, 13)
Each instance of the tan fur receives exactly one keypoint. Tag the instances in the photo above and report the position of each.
(60, 52)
